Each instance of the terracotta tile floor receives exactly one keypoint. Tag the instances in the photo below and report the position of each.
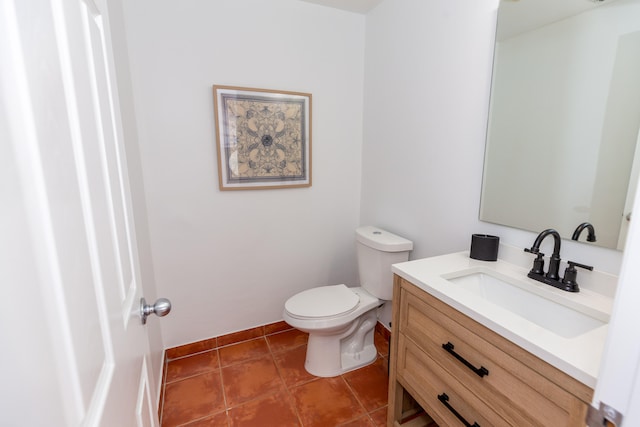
(262, 382)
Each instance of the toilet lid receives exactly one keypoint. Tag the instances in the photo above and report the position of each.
(324, 301)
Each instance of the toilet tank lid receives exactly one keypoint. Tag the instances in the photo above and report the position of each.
(381, 240)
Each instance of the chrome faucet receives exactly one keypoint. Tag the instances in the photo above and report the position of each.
(591, 236)
(568, 283)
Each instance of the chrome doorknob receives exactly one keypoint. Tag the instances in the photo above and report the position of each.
(162, 307)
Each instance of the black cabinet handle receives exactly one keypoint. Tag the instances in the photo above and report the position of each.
(481, 371)
(445, 401)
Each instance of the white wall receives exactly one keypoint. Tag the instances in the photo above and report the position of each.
(427, 77)
(229, 260)
(427, 85)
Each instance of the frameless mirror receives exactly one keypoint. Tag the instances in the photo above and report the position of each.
(564, 117)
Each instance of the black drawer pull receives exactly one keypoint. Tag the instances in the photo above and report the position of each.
(445, 401)
(481, 371)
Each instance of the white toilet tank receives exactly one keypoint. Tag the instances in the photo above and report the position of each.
(377, 250)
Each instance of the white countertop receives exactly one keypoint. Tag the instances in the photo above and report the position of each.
(578, 356)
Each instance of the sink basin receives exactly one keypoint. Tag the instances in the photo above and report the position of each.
(550, 315)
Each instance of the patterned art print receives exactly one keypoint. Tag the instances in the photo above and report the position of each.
(265, 138)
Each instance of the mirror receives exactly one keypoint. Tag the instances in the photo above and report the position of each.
(564, 117)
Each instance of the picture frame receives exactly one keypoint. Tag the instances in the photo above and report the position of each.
(263, 138)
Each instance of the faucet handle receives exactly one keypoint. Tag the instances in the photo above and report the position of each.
(538, 263)
(573, 264)
(570, 275)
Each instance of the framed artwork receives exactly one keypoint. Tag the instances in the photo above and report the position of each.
(263, 138)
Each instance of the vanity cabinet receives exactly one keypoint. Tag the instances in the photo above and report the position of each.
(462, 373)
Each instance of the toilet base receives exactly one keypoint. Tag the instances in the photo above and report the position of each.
(332, 355)
(365, 357)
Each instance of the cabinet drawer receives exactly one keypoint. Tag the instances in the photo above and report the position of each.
(427, 381)
(520, 388)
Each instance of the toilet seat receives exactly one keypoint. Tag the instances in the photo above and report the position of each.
(322, 302)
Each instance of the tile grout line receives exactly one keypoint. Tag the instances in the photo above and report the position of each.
(224, 394)
(227, 410)
(270, 353)
(355, 395)
(225, 346)
(286, 387)
(163, 386)
(170, 361)
(216, 338)
(191, 354)
(243, 360)
(192, 376)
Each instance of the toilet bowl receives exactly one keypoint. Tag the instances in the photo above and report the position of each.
(341, 320)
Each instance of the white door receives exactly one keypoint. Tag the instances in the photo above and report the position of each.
(618, 384)
(74, 350)
(630, 199)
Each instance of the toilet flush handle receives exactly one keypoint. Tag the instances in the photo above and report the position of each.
(162, 307)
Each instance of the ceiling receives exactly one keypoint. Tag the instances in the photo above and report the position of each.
(358, 6)
(516, 16)
(519, 16)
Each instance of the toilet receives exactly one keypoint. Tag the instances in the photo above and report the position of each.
(340, 320)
